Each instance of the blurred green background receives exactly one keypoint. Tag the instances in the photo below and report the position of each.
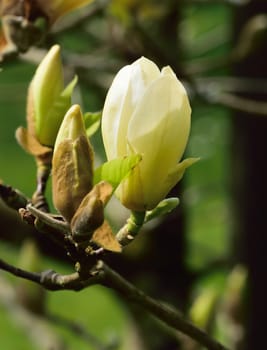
(199, 50)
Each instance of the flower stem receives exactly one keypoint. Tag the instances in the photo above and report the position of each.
(129, 231)
(38, 198)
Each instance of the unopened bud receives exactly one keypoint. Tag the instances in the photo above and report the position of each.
(88, 217)
(48, 101)
(72, 164)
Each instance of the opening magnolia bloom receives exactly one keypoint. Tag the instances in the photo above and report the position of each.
(147, 112)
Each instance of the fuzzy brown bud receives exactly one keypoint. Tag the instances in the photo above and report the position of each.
(72, 165)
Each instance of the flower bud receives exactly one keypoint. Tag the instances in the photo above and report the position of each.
(147, 112)
(88, 217)
(72, 164)
(48, 101)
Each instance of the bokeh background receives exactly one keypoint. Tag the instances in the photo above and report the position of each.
(207, 257)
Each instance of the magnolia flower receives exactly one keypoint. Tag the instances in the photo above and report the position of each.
(147, 112)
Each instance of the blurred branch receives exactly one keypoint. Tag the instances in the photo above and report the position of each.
(81, 332)
(230, 2)
(220, 91)
(35, 326)
(73, 21)
(38, 326)
(242, 104)
(206, 64)
(163, 312)
(234, 84)
(104, 275)
(230, 100)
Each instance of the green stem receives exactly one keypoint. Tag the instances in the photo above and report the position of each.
(129, 231)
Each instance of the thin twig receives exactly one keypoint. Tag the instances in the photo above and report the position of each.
(104, 275)
(13, 198)
(49, 219)
(16, 271)
(163, 312)
(54, 281)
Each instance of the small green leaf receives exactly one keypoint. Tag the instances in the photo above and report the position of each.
(92, 122)
(67, 92)
(164, 207)
(116, 170)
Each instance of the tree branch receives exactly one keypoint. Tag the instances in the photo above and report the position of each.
(13, 198)
(163, 312)
(104, 275)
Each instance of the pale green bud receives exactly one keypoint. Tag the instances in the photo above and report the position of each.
(147, 112)
(204, 306)
(72, 164)
(48, 101)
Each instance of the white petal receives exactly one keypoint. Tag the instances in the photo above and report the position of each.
(161, 121)
(178, 171)
(167, 71)
(112, 111)
(124, 95)
(159, 130)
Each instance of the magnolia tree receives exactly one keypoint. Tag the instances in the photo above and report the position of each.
(145, 127)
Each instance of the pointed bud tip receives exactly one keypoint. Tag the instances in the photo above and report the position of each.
(74, 110)
(54, 50)
(72, 125)
(52, 55)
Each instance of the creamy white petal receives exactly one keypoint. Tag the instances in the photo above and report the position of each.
(112, 111)
(124, 94)
(152, 118)
(161, 122)
(159, 131)
(167, 71)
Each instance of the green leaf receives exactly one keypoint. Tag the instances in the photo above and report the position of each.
(63, 102)
(116, 170)
(163, 208)
(67, 92)
(92, 122)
